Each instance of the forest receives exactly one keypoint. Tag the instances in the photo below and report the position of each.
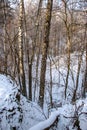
(43, 64)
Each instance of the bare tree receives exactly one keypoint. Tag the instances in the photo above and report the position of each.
(45, 50)
(20, 50)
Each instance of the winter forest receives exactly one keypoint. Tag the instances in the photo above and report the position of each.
(43, 64)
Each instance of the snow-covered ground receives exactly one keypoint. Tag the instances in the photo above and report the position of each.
(67, 117)
(68, 113)
(12, 110)
(18, 112)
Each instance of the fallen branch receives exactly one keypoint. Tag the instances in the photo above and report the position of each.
(45, 125)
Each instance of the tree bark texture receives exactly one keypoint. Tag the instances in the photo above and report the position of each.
(20, 51)
(44, 51)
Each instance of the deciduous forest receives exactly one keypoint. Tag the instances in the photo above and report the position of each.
(43, 64)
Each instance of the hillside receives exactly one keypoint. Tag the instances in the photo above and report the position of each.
(18, 113)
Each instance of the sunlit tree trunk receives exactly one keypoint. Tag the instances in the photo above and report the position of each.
(20, 51)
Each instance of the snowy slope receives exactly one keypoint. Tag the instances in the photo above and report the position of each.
(25, 115)
(15, 113)
(69, 114)
(70, 117)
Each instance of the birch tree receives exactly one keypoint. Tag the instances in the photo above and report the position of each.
(20, 50)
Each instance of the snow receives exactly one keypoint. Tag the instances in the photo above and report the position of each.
(11, 110)
(33, 117)
(67, 109)
(6, 87)
(66, 116)
(43, 125)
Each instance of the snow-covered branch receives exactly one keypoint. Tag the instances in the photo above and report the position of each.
(47, 123)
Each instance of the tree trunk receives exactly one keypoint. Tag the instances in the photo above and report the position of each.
(38, 43)
(77, 79)
(85, 76)
(20, 52)
(68, 64)
(44, 51)
(50, 89)
(4, 30)
(68, 36)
